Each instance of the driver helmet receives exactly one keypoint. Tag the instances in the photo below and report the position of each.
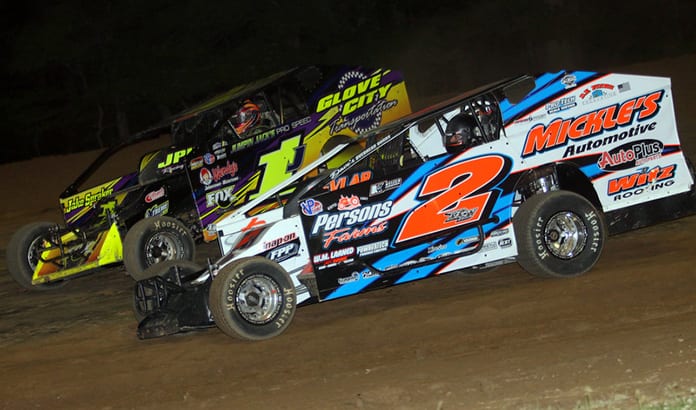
(460, 134)
(247, 117)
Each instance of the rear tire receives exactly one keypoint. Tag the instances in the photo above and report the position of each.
(23, 253)
(252, 299)
(154, 240)
(559, 234)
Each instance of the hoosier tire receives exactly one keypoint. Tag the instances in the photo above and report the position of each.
(252, 299)
(154, 240)
(559, 234)
(23, 253)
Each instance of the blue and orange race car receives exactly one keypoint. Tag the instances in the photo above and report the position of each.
(234, 146)
(533, 169)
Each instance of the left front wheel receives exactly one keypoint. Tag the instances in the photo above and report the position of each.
(252, 299)
(154, 240)
(23, 252)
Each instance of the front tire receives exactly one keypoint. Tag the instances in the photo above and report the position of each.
(559, 234)
(154, 240)
(23, 252)
(252, 299)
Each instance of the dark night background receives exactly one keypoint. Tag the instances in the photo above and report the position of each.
(81, 74)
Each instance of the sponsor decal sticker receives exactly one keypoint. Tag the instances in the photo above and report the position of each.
(174, 157)
(569, 81)
(160, 209)
(88, 198)
(332, 258)
(279, 241)
(348, 180)
(560, 131)
(283, 252)
(221, 197)
(356, 276)
(154, 195)
(630, 155)
(196, 163)
(643, 180)
(561, 104)
(597, 92)
(205, 176)
(209, 158)
(171, 169)
(384, 186)
(220, 172)
(338, 227)
(372, 248)
(346, 203)
(311, 207)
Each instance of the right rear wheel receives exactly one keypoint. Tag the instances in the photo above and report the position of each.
(559, 234)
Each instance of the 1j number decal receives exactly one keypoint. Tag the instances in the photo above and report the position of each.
(457, 202)
(280, 164)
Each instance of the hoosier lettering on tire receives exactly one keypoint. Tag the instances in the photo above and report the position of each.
(154, 240)
(252, 299)
(559, 234)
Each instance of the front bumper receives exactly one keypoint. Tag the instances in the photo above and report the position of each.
(171, 304)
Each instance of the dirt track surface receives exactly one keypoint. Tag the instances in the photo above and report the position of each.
(620, 336)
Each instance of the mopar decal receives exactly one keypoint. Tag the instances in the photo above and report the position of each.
(560, 131)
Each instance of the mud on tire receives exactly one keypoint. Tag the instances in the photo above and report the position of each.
(252, 299)
(559, 234)
(154, 240)
(23, 253)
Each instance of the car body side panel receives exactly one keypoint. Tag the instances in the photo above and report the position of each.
(351, 102)
(619, 130)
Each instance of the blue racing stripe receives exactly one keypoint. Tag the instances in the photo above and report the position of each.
(352, 288)
(547, 85)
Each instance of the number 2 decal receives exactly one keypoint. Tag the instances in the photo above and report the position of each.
(456, 202)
